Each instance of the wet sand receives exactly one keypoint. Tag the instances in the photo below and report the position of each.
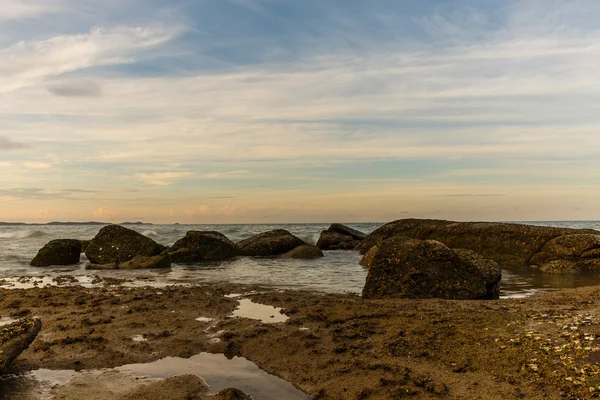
(332, 346)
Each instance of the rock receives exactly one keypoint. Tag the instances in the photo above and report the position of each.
(411, 268)
(491, 271)
(15, 338)
(203, 246)
(507, 244)
(340, 237)
(181, 387)
(117, 244)
(369, 257)
(304, 252)
(84, 245)
(232, 394)
(58, 252)
(272, 243)
(162, 260)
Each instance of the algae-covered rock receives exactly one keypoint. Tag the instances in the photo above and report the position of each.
(304, 252)
(16, 338)
(162, 260)
(272, 243)
(203, 246)
(411, 268)
(369, 257)
(58, 252)
(117, 244)
(507, 244)
(340, 237)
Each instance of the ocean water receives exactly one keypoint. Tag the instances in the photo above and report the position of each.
(338, 271)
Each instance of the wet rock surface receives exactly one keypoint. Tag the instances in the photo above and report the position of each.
(181, 387)
(199, 246)
(16, 338)
(58, 252)
(160, 261)
(507, 244)
(411, 268)
(340, 237)
(304, 252)
(117, 244)
(272, 243)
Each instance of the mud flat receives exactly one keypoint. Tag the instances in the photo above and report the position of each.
(330, 346)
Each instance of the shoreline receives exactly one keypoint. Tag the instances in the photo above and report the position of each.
(333, 345)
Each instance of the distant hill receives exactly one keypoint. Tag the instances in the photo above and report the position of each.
(60, 223)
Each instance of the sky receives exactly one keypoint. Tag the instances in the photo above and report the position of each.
(275, 111)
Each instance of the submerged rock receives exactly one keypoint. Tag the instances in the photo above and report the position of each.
(15, 338)
(232, 394)
(304, 252)
(340, 237)
(162, 260)
(203, 246)
(117, 244)
(180, 387)
(272, 243)
(410, 268)
(507, 244)
(58, 252)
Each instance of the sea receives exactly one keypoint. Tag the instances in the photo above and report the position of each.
(337, 272)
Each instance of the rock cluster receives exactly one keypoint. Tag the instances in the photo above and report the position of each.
(508, 244)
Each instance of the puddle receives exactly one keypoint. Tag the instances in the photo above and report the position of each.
(215, 369)
(139, 338)
(204, 319)
(267, 314)
(7, 321)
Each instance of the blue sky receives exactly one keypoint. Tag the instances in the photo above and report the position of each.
(286, 111)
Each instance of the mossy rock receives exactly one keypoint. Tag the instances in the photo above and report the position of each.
(272, 243)
(117, 244)
(199, 246)
(58, 252)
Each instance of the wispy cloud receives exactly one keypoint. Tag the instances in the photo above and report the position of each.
(9, 144)
(163, 178)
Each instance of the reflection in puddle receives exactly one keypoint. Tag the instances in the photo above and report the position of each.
(215, 369)
(139, 338)
(267, 314)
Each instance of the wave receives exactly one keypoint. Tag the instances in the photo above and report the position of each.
(25, 234)
(150, 233)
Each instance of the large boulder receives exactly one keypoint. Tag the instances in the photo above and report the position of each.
(203, 246)
(15, 338)
(304, 252)
(410, 268)
(340, 237)
(58, 252)
(507, 244)
(569, 253)
(272, 243)
(117, 244)
(162, 260)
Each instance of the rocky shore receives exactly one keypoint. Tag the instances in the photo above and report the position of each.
(421, 328)
(332, 346)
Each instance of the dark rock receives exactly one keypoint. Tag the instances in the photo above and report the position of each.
(84, 245)
(491, 271)
(272, 243)
(181, 387)
(411, 268)
(304, 252)
(232, 394)
(58, 252)
(203, 246)
(15, 338)
(507, 244)
(117, 244)
(340, 237)
(162, 260)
